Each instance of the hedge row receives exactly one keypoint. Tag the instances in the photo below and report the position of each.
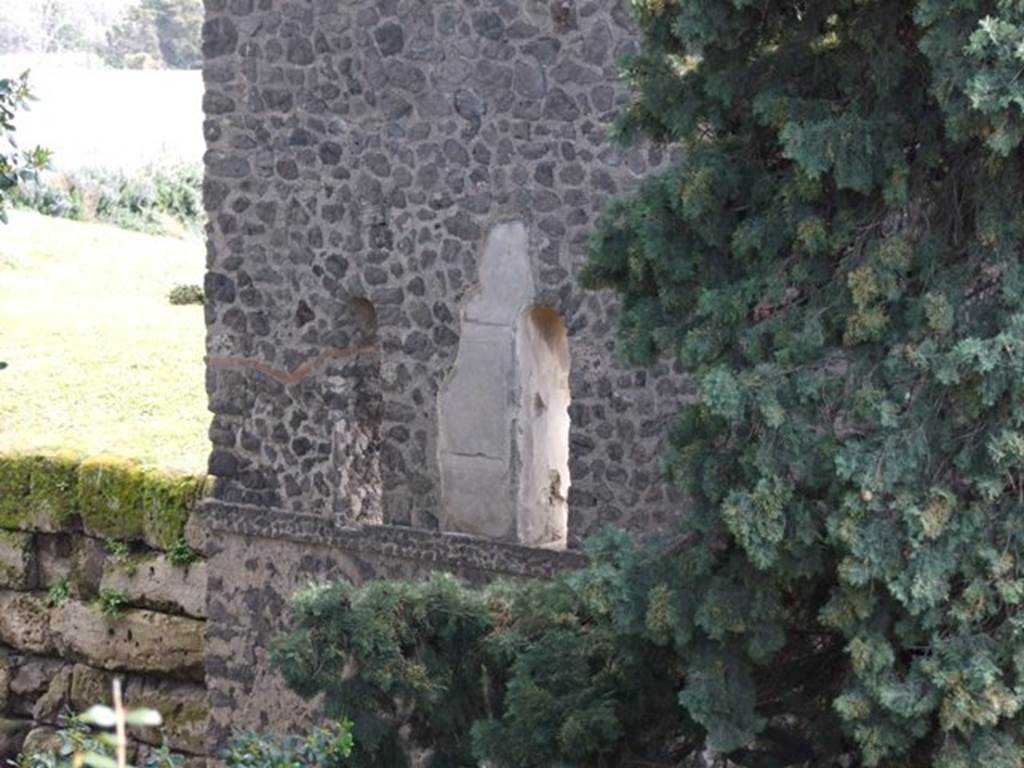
(113, 498)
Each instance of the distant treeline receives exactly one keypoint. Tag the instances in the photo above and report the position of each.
(133, 34)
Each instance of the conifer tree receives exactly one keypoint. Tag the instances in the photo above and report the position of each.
(837, 260)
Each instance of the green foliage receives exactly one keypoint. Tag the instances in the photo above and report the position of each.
(59, 593)
(183, 294)
(180, 554)
(116, 498)
(326, 747)
(525, 674)
(119, 553)
(17, 166)
(87, 740)
(37, 491)
(836, 257)
(112, 603)
(123, 500)
(156, 33)
(837, 261)
(157, 199)
(75, 739)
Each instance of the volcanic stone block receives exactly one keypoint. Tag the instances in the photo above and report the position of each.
(156, 583)
(25, 623)
(76, 560)
(12, 737)
(183, 708)
(55, 699)
(17, 560)
(140, 641)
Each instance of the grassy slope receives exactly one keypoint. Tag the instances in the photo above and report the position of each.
(98, 360)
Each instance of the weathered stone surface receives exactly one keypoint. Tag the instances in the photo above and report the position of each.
(12, 737)
(183, 707)
(41, 739)
(154, 582)
(76, 560)
(24, 622)
(31, 678)
(196, 534)
(89, 686)
(55, 558)
(140, 640)
(56, 698)
(17, 560)
(5, 680)
(404, 145)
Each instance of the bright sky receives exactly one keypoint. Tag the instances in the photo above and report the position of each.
(96, 11)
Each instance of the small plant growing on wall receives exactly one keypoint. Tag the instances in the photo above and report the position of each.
(180, 554)
(16, 166)
(59, 593)
(120, 555)
(112, 603)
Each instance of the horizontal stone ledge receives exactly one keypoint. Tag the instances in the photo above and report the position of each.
(155, 582)
(137, 641)
(455, 550)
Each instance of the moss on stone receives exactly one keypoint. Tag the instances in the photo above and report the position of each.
(111, 491)
(120, 499)
(168, 503)
(117, 498)
(52, 489)
(14, 487)
(9, 576)
(37, 491)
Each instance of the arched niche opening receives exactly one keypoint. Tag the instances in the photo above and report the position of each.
(503, 418)
(364, 317)
(543, 428)
(357, 435)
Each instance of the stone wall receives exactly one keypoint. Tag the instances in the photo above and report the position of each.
(76, 536)
(254, 575)
(360, 153)
(400, 193)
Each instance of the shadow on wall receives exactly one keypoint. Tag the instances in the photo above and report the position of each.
(543, 427)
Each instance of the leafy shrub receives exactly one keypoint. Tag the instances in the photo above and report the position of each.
(150, 200)
(183, 294)
(93, 739)
(326, 747)
(518, 674)
(838, 259)
(17, 167)
(50, 197)
(156, 33)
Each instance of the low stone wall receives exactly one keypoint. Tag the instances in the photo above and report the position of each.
(258, 559)
(102, 573)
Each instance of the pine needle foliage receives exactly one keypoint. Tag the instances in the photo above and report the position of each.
(837, 260)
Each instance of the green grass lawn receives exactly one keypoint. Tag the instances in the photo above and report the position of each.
(97, 359)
